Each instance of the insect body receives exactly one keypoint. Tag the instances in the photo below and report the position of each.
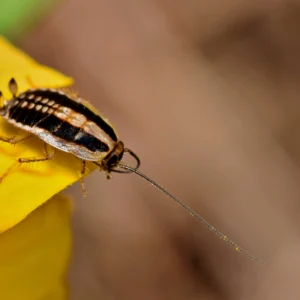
(70, 124)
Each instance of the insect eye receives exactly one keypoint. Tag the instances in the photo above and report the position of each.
(113, 160)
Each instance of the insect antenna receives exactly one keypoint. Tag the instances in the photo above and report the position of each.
(191, 211)
(137, 159)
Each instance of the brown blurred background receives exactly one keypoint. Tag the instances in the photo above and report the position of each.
(207, 93)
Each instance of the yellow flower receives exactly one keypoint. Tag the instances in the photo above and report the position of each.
(34, 255)
(34, 247)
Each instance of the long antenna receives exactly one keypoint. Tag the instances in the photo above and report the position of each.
(192, 213)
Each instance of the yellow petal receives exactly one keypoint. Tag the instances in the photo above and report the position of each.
(27, 186)
(34, 255)
(17, 64)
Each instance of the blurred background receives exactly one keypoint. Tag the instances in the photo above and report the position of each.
(207, 94)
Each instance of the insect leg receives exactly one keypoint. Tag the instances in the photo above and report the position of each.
(101, 168)
(82, 172)
(8, 171)
(13, 140)
(48, 156)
